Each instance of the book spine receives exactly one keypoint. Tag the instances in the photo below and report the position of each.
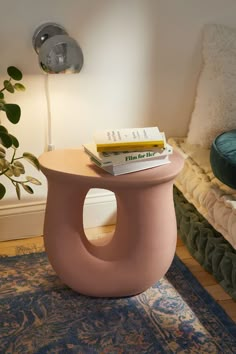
(130, 146)
(124, 138)
(135, 166)
(126, 157)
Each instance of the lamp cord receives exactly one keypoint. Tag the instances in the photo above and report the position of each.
(50, 145)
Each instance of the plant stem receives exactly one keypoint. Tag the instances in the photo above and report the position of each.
(4, 171)
(12, 159)
(14, 180)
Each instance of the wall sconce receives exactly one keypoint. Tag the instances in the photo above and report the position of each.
(57, 52)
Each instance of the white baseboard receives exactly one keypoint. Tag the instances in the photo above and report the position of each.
(26, 219)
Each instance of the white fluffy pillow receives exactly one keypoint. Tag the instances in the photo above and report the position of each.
(215, 104)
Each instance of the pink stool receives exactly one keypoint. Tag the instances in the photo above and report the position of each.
(144, 242)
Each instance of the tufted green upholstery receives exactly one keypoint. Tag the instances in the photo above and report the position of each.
(223, 158)
(205, 244)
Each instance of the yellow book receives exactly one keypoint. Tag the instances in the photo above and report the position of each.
(129, 139)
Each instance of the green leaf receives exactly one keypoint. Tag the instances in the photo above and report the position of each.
(8, 86)
(1, 95)
(32, 159)
(16, 171)
(14, 73)
(2, 106)
(14, 140)
(33, 180)
(9, 172)
(20, 166)
(19, 87)
(13, 112)
(3, 129)
(2, 190)
(28, 189)
(4, 164)
(5, 140)
(18, 190)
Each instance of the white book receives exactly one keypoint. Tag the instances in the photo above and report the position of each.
(132, 167)
(129, 139)
(123, 157)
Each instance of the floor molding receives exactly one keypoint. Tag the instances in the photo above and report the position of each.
(26, 219)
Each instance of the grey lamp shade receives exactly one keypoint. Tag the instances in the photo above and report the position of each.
(57, 52)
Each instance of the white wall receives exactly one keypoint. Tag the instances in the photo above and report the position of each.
(113, 88)
(177, 60)
(142, 59)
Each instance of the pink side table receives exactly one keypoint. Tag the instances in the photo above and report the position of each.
(144, 242)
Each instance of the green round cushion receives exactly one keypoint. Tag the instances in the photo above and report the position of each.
(223, 158)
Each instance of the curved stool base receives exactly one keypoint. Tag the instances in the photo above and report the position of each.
(144, 242)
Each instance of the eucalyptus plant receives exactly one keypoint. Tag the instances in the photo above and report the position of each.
(11, 165)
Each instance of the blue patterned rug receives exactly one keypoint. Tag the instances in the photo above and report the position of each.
(38, 314)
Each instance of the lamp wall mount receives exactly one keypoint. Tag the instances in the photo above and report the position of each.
(57, 51)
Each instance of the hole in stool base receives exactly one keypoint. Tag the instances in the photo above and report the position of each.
(100, 208)
(101, 239)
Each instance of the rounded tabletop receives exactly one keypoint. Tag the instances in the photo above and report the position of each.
(75, 163)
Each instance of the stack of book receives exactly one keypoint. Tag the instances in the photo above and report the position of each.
(129, 150)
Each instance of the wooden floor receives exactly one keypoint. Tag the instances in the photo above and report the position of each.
(99, 236)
